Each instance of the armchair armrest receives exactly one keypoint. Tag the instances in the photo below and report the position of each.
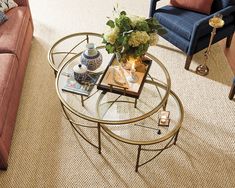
(22, 2)
(198, 26)
(153, 4)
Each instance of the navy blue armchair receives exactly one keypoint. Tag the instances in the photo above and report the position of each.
(189, 30)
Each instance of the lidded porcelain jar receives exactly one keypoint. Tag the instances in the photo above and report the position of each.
(80, 72)
(91, 57)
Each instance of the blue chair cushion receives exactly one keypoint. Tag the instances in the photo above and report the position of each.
(177, 40)
(184, 44)
(182, 21)
(179, 20)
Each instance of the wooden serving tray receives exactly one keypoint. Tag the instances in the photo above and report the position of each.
(116, 79)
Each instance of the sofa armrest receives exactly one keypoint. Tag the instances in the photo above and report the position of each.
(198, 26)
(153, 4)
(22, 2)
(25, 3)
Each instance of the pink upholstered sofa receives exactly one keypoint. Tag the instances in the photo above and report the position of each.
(15, 41)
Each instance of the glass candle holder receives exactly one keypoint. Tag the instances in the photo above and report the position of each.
(133, 76)
(163, 118)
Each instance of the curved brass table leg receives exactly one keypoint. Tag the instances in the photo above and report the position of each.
(138, 158)
(77, 131)
(99, 139)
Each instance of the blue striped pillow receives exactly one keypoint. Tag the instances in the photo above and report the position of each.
(3, 17)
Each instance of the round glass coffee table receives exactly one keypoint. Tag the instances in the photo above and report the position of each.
(129, 120)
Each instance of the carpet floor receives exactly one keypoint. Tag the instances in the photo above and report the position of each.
(45, 152)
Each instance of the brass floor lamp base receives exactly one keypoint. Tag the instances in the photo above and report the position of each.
(202, 70)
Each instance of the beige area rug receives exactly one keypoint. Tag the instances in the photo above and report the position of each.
(46, 153)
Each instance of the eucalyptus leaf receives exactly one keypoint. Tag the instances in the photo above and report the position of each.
(110, 23)
(104, 41)
(110, 48)
(161, 31)
(123, 13)
(142, 26)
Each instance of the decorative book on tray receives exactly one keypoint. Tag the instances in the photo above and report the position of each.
(121, 80)
(84, 88)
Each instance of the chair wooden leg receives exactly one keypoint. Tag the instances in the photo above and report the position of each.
(229, 41)
(188, 61)
(232, 92)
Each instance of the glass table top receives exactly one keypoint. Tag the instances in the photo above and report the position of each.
(113, 108)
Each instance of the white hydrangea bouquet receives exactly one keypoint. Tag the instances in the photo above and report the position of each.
(131, 35)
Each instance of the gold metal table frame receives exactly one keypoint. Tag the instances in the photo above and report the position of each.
(169, 138)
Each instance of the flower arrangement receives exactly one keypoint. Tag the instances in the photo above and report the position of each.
(131, 35)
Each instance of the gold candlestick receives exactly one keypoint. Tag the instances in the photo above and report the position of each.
(215, 22)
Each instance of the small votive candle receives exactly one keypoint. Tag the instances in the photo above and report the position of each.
(164, 118)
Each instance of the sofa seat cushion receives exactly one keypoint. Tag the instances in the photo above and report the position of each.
(168, 16)
(13, 31)
(8, 71)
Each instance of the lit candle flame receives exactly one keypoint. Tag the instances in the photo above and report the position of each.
(133, 66)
